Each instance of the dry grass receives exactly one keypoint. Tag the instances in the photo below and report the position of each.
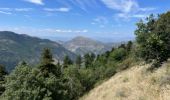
(135, 83)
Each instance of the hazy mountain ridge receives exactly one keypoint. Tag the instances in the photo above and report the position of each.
(16, 47)
(81, 45)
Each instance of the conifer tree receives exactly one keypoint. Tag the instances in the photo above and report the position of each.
(78, 61)
(2, 78)
(67, 61)
(46, 57)
(47, 65)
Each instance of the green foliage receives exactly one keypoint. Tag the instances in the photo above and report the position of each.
(88, 59)
(78, 61)
(43, 82)
(47, 65)
(19, 47)
(118, 54)
(25, 83)
(87, 78)
(67, 61)
(3, 73)
(48, 81)
(46, 57)
(129, 45)
(72, 84)
(153, 38)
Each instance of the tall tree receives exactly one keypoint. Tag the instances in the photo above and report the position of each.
(3, 73)
(47, 65)
(153, 38)
(89, 59)
(78, 61)
(67, 61)
(46, 57)
(129, 45)
(39, 83)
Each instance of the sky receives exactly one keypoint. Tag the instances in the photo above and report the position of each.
(104, 20)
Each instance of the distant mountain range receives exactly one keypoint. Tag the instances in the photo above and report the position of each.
(16, 47)
(82, 45)
(20, 47)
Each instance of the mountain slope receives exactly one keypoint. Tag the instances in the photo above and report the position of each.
(135, 83)
(15, 48)
(81, 45)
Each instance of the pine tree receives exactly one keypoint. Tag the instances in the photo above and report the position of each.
(2, 78)
(47, 65)
(89, 59)
(78, 61)
(129, 45)
(67, 61)
(46, 57)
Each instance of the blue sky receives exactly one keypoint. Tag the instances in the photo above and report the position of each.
(105, 20)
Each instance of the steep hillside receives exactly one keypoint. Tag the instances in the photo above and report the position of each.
(136, 83)
(15, 48)
(81, 45)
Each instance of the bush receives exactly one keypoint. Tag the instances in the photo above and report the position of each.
(153, 39)
(118, 54)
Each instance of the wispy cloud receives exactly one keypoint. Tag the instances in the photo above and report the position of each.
(127, 16)
(38, 2)
(17, 9)
(7, 13)
(101, 21)
(62, 9)
(23, 9)
(147, 9)
(70, 31)
(6, 9)
(127, 8)
(84, 4)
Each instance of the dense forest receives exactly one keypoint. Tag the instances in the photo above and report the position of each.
(70, 80)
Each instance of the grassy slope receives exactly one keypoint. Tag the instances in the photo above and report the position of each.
(135, 83)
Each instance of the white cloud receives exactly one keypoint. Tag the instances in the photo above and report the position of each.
(147, 9)
(140, 16)
(101, 21)
(49, 30)
(38, 2)
(7, 13)
(127, 16)
(16, 9)
(63, 9)
(70, 31)
(84, 4)
(23, 9)
(5, 9)
(125, 6)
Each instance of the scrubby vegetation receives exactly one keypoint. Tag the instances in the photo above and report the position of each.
(68, 80)
(135, 83)
(153, 38)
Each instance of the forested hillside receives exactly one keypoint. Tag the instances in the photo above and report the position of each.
(15, 48)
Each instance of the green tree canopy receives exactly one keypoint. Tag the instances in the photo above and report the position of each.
(67, 61)
(153, 38)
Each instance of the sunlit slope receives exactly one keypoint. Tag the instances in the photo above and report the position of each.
(136, 83)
